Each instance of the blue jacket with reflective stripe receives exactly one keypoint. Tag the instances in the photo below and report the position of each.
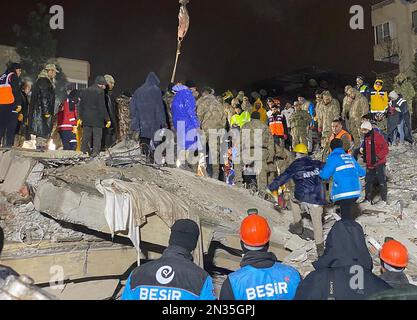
(280, 282)
(346, 174)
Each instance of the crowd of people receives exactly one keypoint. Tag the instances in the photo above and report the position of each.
(308, 158)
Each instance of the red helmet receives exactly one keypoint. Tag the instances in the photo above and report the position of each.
(255, 231)
(395, 254)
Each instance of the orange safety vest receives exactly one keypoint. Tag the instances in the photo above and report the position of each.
(276, 126)
(6, 91)
(340, 136)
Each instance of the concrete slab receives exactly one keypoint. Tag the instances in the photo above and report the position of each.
(92, 290)
(17, 174)
(5, 161)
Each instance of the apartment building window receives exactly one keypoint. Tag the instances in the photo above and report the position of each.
(415, 21)
(382, 32)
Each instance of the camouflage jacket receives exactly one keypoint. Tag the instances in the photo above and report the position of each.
(328, 113)
(211, 114)
(300, 119)
(267, 139)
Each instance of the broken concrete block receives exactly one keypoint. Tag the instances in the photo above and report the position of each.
(297, 256)
(16, 175)
(5, 162)
(295, 243)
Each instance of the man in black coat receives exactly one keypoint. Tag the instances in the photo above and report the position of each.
(344, 272)
(9, 111)
(94, 116)
(110, 134)
(42, 106)
(147, 109)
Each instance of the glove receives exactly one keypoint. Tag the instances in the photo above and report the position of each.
(285, 137)
(79, 122)
(47, 116)
(74, 130)
(108, 125)
(18, 109)
(20, 117)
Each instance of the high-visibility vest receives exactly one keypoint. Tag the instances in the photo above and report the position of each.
(6, 91)
(379, 101)
(340, 136)
(276, 125)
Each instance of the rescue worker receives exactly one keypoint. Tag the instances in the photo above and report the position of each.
(246, 106)
(346, 251)
(347, 103)
(362, 88)
(375, 152)
(404, 126)
(261, 276)
(213, 121)
(94, 117)
(394, 261)
(258, 106)
(174, 276)
(299, 126)
(168, 97)
(379, 98)
(309, 194)
(259, 164)
(339, 133)
(405, 88)
(240, 118)
(278, 125)
(110, 134)
(67, 120)
(42, 106)
(287, 113)
(345, 172)
(358, 108)
(23, 117)
(123, 115)
(10, 103)
(227, 106)
(393, 118)
(330, 110)
(311, 109)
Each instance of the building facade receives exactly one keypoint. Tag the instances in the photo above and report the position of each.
(395, 31)
(77, 71)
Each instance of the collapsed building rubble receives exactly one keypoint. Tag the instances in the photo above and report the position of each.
(53, 214)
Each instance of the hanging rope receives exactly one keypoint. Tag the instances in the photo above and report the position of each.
(183, 26)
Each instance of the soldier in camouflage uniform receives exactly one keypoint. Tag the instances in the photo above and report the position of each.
(168, 98)
(329, 111)
(358, 108)
(123, 116)
(227, 105)
(211, 114)
(246, 106)
(247, 147)
(347, 103)
(299, 122)
(404, 87)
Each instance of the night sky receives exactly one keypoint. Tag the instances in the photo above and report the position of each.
(230, 42)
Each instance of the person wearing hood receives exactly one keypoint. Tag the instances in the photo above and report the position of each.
(258, 106)
(23, 117)
(213, 120)
(94, 116)
(67, 120)
(185, 121)
(174, 276)
(375, 153)
(110, 134)
(309, 194)
(299, 124)
(405, 88)
(261, 276)
(10, 103)
(379, 98)
(329, 111)
(147, 110)
(362, 87)
(42, 106)
(345, 172)
(344, 272)
(359, 107)
(399, 107)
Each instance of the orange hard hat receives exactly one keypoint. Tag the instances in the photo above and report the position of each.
(395, 254)
(255, 231)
